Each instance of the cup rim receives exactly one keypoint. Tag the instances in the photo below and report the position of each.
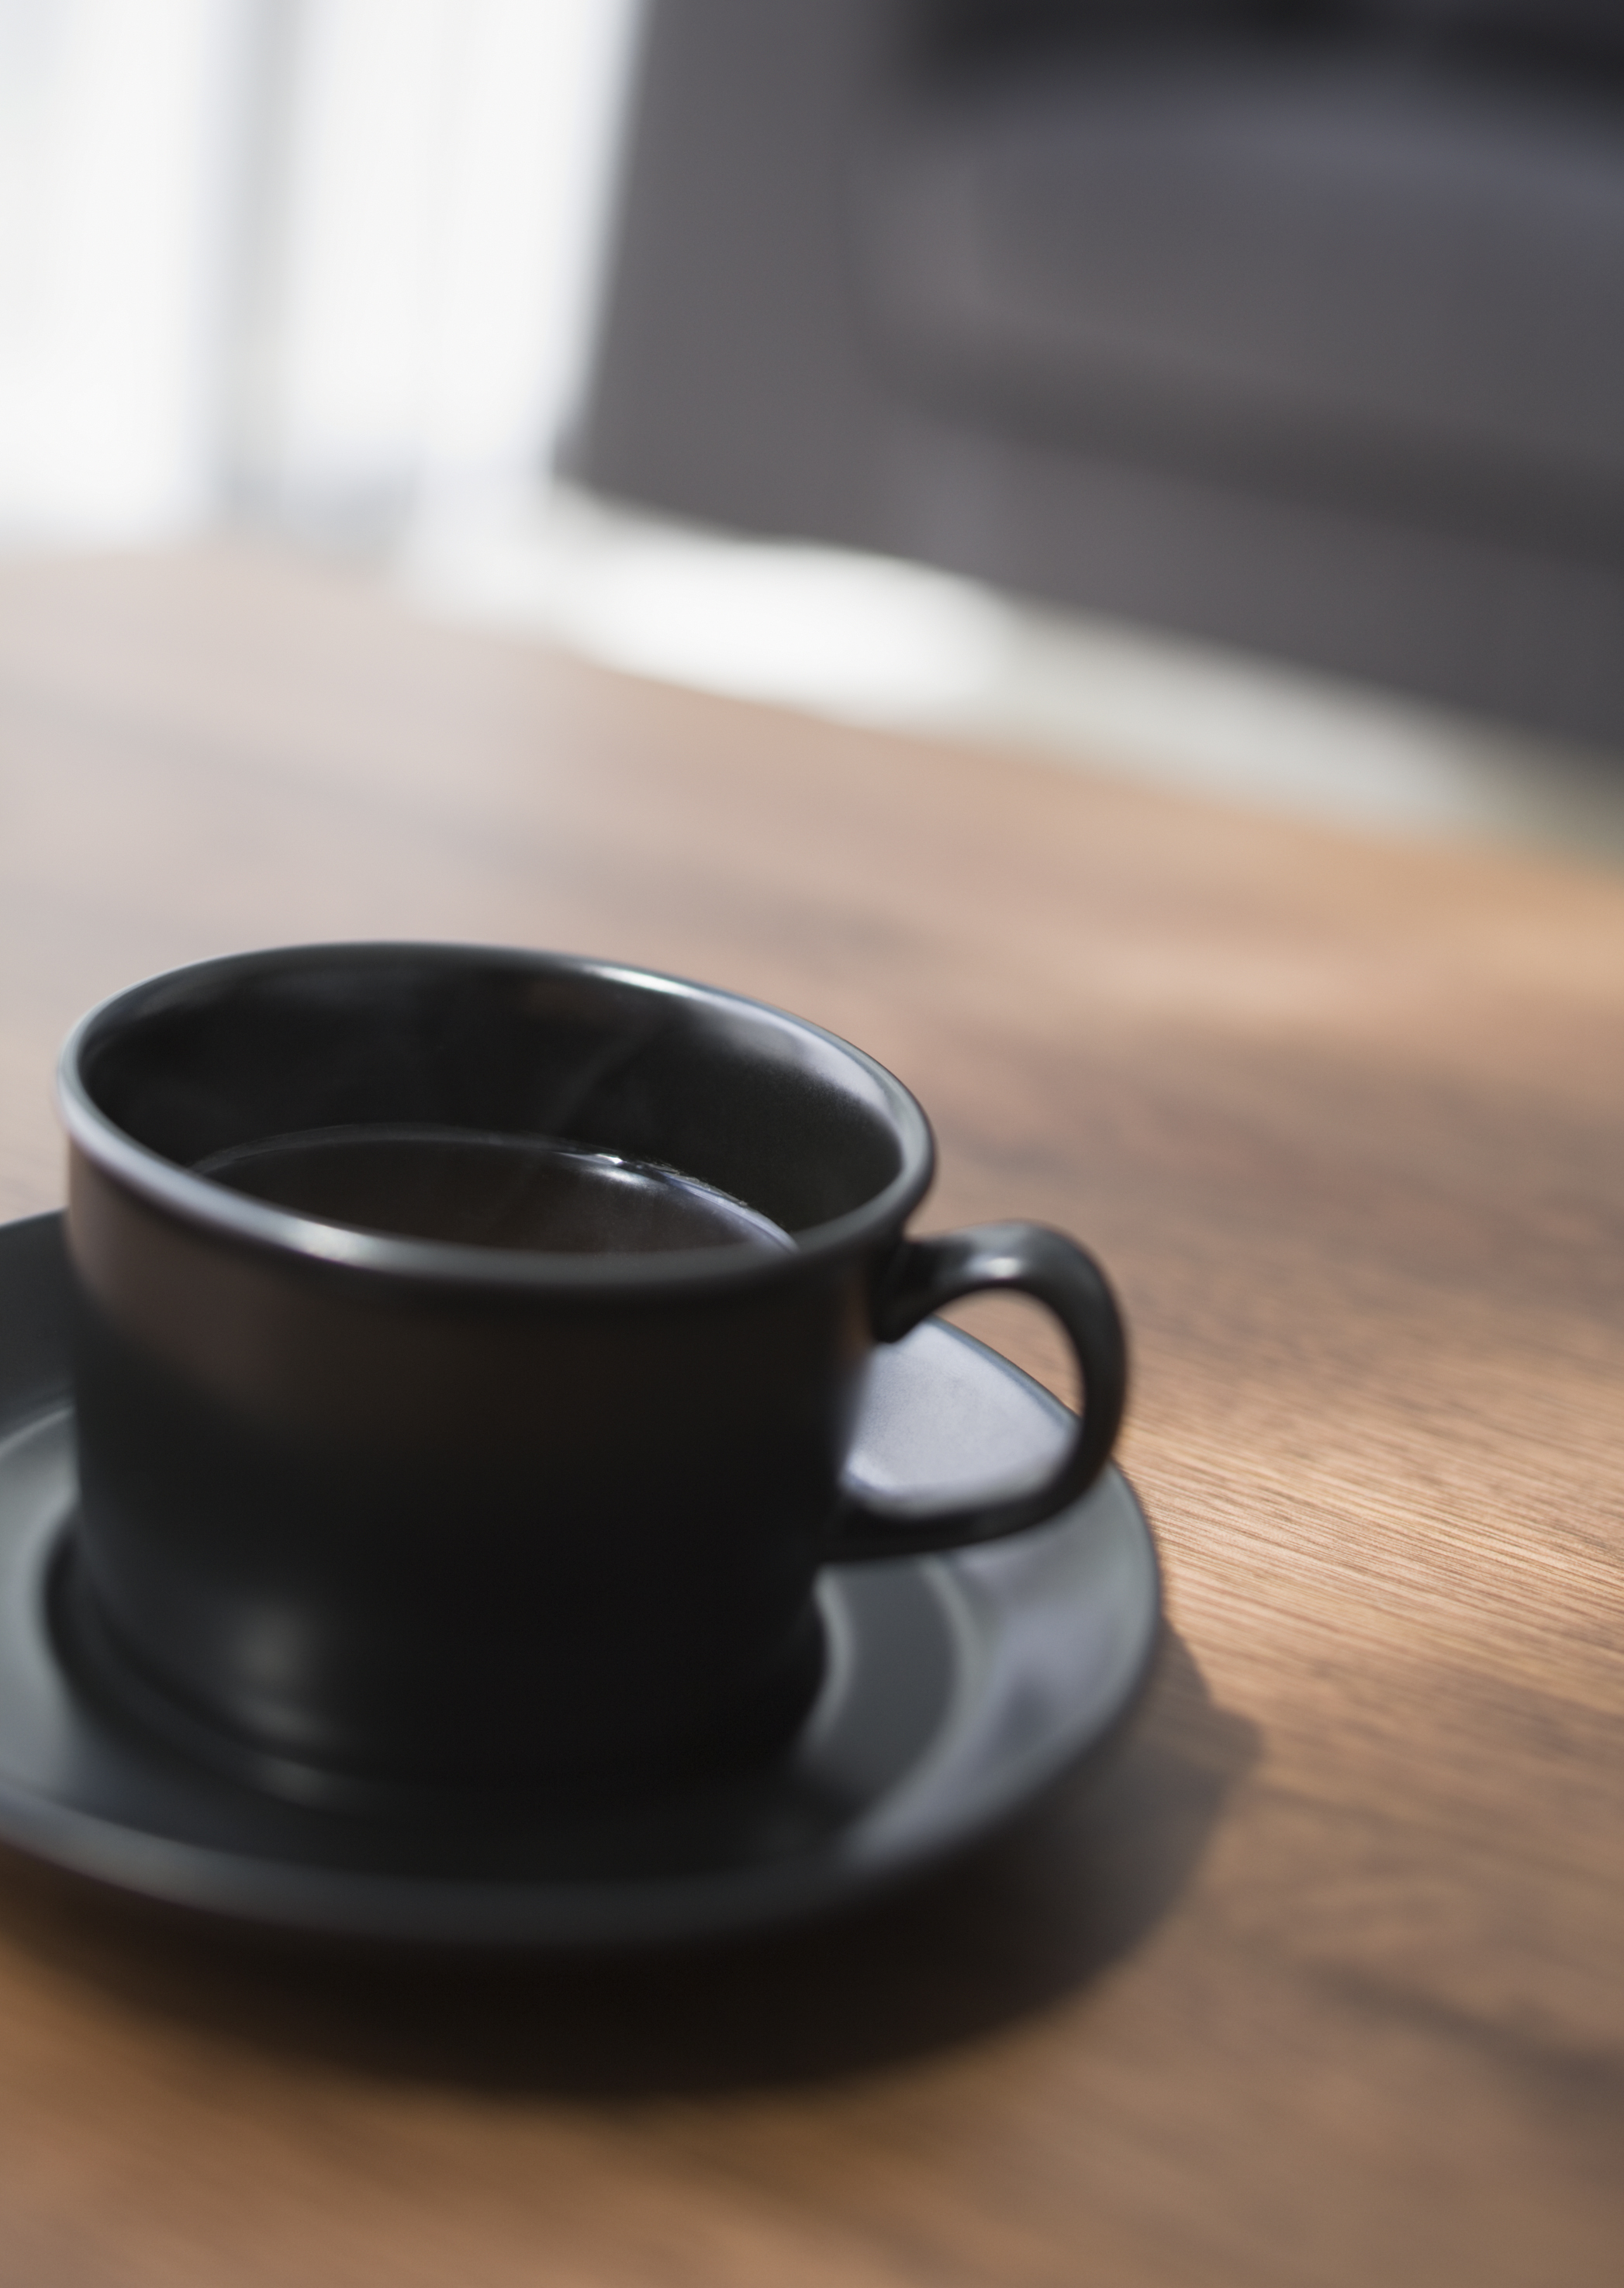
(233, 1216)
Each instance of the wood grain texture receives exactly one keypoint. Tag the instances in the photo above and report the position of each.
(1324, 1981)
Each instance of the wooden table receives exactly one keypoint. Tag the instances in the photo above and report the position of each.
(1322, 1982)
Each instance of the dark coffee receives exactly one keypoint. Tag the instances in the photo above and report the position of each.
(476, 1190)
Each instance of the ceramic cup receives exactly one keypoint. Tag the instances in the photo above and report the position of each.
(358, 1504)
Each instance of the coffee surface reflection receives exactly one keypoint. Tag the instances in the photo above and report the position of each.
(480, 1190)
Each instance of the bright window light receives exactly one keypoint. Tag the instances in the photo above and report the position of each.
(114, 214)
(325, 259)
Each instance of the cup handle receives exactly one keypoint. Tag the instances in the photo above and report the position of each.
(1031, 1260)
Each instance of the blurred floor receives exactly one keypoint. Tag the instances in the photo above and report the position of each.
(875, 641)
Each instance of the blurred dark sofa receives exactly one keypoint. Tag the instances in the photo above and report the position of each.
(1297, 326)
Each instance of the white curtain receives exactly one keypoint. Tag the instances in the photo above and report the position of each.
(324, 260)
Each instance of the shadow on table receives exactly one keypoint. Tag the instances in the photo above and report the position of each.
(1029, 1919)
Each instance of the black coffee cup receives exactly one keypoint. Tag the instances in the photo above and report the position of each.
(358, 1502)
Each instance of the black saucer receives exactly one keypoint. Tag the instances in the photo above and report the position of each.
(958, 1688)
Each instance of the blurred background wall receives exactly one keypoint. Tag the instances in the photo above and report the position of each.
(1298, 325)
(1291, 328)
